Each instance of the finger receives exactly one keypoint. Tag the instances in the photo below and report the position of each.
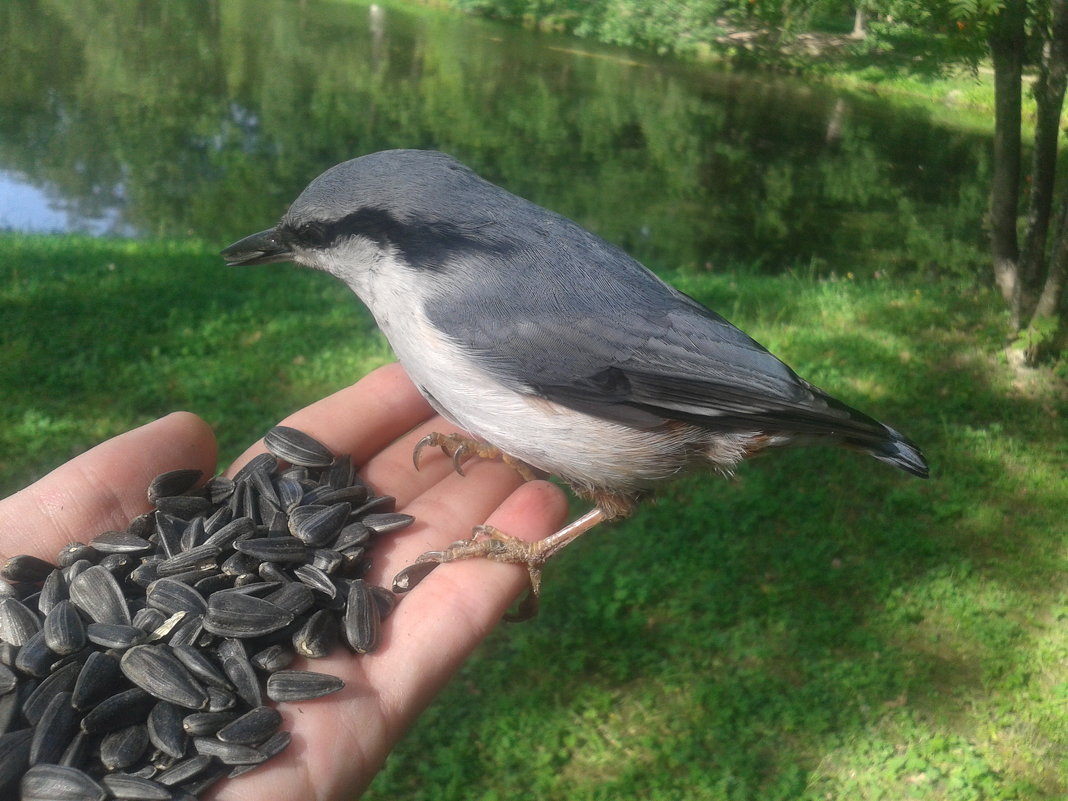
(104, 488)
(361, 419)
(436, 626)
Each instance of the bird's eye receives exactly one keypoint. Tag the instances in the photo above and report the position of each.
(312, 234)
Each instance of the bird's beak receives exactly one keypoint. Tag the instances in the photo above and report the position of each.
(262, 248)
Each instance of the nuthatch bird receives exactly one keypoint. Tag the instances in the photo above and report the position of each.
(550, 347)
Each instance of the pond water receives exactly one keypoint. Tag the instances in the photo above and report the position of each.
(206, 119)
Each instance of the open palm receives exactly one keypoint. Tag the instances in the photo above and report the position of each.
(340, 741)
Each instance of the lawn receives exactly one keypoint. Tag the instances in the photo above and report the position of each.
(819, 627)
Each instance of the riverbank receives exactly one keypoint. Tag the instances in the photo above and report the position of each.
(876, 63)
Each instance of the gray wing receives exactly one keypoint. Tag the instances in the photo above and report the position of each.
(643, 355)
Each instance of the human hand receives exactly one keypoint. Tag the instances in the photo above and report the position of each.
(339, 742)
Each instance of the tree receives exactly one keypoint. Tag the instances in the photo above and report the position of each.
(1029, 270)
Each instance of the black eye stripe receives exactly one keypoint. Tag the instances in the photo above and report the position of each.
(426, 246)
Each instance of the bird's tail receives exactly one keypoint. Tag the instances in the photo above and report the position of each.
(897, 450)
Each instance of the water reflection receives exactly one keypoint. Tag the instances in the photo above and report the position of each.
(206, 119)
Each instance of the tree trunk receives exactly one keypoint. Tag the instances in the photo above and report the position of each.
(859, 19)
(1053, 290)
(1007, 47)
(1049, 98)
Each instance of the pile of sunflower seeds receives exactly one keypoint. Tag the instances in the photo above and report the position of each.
(137, 667)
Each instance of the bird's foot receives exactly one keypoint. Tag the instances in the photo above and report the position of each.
(460, 448)
(488, 542)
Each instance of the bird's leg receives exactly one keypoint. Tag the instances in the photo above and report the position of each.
(461, 448)
(501, 547)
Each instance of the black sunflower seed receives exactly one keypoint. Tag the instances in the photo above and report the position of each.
(17, 622)
(155, 669)
(145, 629)
(123, 747)
(274, 549)
(165, 729)
(362, 618)
(54, 731)
(254, 727)
(301, 685)
(96, 592)
(60, 783)
(97, 679)
(297, 448)
(170, 596)
(173, 482)
(126, 787)
(25, 568)
(232, 614)
(14, 759)
(120, 542)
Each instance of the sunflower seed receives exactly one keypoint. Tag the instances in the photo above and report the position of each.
(274, 549)
(120, 542)
(272, 658)
(60, 680)
(220, 699)
(255, 726)
(200, 666)
(53, 591)
(201, 575)
(386, 522)
(276, 744)
(201, 557)
(297, 448)
(260, 462)
(73, 552)
(318, 636)
(184, 771)
(239, 670)
(59, 783)
(165, 730)
(301, 685)
(35, 658)
(17, 622)
(96, 592)
(173, 482)
(201, 724)
(14, 759)
(184, 507)
(362, 618)
(238, 528)
(112, 635)
(235, 615)
(122, 748)
(126, 787)
(320, 527)
(8, 681)
(117, 711)
(407, 578)
(294, 597)
(219, 489)
(26, 568)
(54, 731)
(170, 596)
(155, 669)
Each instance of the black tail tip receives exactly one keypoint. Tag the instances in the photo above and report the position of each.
(902, 453)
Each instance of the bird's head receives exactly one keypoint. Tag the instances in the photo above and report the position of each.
(417, 208)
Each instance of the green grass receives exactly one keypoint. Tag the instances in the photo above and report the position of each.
(820, 627)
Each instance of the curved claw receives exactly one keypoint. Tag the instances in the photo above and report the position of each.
(457, 458)
(429, 439)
